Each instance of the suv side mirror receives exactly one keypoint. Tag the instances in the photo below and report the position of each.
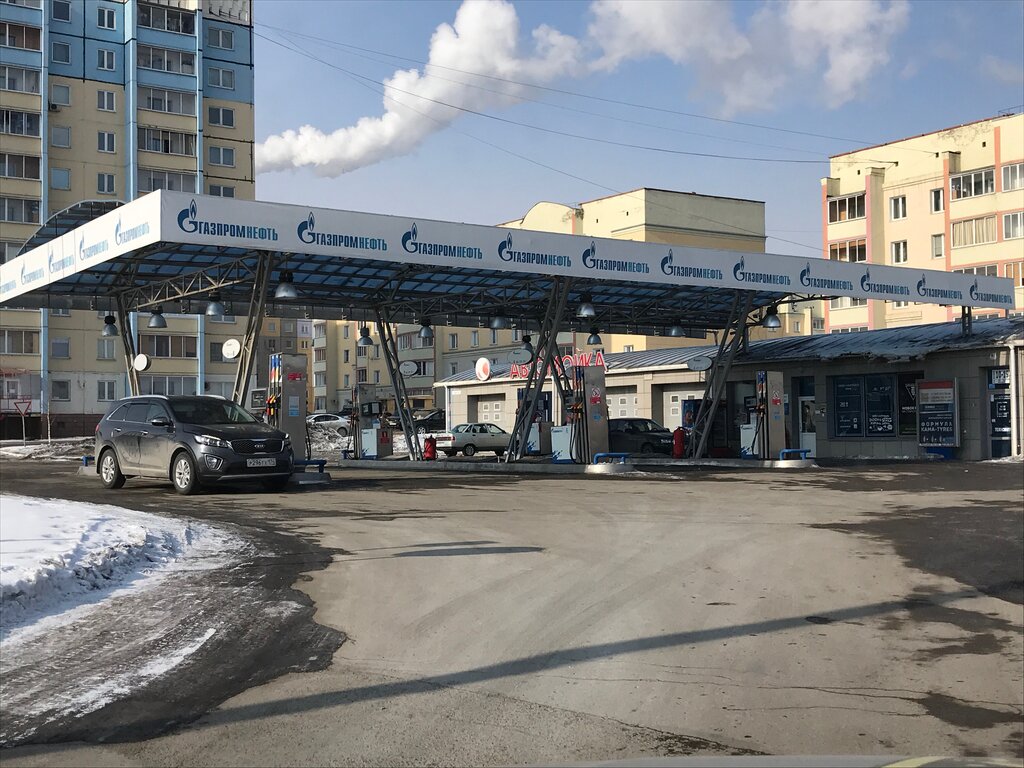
(161, 421)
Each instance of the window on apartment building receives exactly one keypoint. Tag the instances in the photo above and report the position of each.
(900, 304)
(19, 210)
(853, 329)
(221, 116)
(105, 141)
(376, 377)
(320, 355)
(8, 250)
(361, 351)
(938, 246)
(988, 270)
(167, 385)
(14, 342)
(60, 52)
(60, 136)
(167, 19)
(60, 312)
(167, 142)
(105, 101)
(60, 95)
(1013, 177)
(60, 389)
(972, 184)
(171, 102)
(361, 375)
(60, 178)
(795, 326)
(453, 368)
(166, 60)
(898, 251)
(1015, 271)
(898, 207)
(346, 381)
(19, 166)
(167, 345)
(818, 324)
(319, 330)
(19, 79)
(627, 348)
(105, 391)
(220, 190)
(846, 208)
(222, 318)
(19, 36)
(217, 352)
(222, 156)
(974, 231)
(404, 341)
(60, 10)
(453, 341)
(937, 202)
(105, 184)
(423, 343)
(1013, 225)
(849, 250)
(221, 38)
(320, 379)
(19, 123)
(344, 331)
(345, 356)
(105, 60)
(150, 180)
(105, 18)
(494, 336)
(221, 78)
(287, 326)
(474, 339)
(105, 349)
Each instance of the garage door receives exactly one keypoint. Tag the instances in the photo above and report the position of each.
(491, 409)
(622, 402)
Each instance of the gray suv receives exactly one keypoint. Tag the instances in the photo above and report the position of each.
(191, 441)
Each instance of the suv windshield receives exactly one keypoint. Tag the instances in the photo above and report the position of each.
(203, 411)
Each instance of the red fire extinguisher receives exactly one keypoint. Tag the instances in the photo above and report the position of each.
(678, 443)
(429, 448)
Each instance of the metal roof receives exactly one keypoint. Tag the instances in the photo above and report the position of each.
(893, 344)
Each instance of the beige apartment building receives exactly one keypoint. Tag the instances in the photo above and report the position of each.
(952, 199)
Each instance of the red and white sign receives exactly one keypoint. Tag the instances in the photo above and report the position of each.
(580, 359)
(483, 369)
(23, 406)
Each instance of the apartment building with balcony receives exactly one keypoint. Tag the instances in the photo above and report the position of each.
(108, 100)
(952, 199)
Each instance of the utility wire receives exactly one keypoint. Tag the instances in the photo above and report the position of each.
(374, 87)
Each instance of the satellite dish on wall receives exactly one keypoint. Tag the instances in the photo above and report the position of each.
(141, 362)
(230, 349)
(408, 368)
(520, 356)
(699, 363)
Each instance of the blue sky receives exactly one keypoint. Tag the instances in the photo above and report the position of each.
(863, 73)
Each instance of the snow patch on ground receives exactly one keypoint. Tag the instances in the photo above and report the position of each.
(56, 554)
(63, 449)
(1006, 460)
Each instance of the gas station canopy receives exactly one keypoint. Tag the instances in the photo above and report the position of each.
(169, 247)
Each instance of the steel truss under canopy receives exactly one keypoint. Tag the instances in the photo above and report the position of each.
(174, 250)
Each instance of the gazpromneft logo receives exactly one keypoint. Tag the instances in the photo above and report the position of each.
(56, 265)
(739, 272)
(590, 261)
(30, 277)
(87, 252)
(411, 244)
(890, 288)
(702, 273)
(506, 252)
(307, 233)
(998, 298)
(937, 293)
(809, 281)
(122, 236)
(188, 221)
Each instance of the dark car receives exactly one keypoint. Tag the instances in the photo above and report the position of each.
(191, 441)
(638, 436)
(423, 421)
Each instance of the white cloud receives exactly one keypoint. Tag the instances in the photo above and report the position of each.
(839, 44)
(484, 38)
(1002, 70)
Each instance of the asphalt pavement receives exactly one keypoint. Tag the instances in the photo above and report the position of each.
(485, 620)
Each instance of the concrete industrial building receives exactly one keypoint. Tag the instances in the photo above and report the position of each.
(952, 199)
(107, 100)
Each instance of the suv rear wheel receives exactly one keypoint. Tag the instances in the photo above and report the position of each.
(110, 470)
(183, 473)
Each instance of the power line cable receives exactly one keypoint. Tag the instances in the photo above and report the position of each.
(374, 87)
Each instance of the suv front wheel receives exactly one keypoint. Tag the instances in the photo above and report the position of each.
(183, 474)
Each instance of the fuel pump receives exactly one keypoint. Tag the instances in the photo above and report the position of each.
(286, 398)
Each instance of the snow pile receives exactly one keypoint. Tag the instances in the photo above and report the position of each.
(325, 439)
(56, 553)
(64, 449)
(1006, 460)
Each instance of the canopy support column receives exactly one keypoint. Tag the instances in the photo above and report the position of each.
(257, 303)
(402, 402)
(733, 337)
(128, 345)
(545, 351)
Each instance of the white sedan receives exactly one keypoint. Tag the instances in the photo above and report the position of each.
(332, 421)
(470, 438)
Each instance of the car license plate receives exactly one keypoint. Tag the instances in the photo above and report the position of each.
(261, 462)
